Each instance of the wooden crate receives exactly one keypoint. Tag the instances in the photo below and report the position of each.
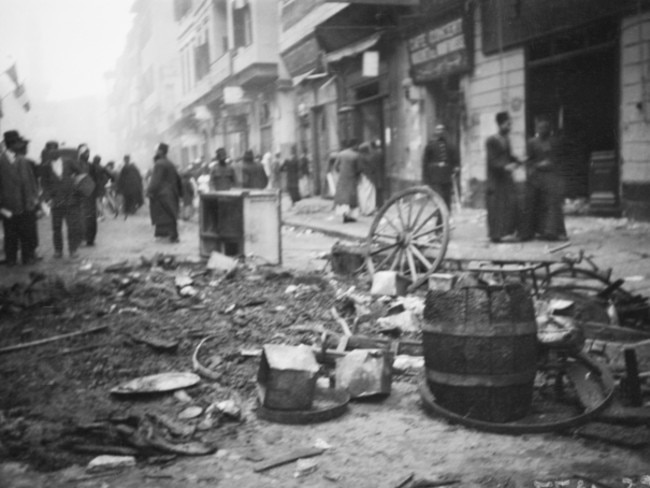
(241, 222)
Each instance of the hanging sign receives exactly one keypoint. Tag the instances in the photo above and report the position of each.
(370, 64)
(232, 94)
(439, 51)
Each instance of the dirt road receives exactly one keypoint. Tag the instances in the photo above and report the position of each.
(375, 444)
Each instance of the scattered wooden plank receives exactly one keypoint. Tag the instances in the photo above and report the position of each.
(287, 458)
(615, 353)
(632, 382)
(618, 414)
(344, 325)
(590, 393)
(614, 332)
(26, 345)
(99, 449)
(619, 435)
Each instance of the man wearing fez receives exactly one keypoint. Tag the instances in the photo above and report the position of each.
(439, 164)
(501, 191)
(222, 175)
(18, 200)
(164, 192)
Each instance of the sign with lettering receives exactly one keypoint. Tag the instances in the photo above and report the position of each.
(439, 51)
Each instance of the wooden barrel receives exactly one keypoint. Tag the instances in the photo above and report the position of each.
(480, 351)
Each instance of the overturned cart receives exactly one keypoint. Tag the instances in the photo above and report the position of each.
(508, 374)
(486, 367)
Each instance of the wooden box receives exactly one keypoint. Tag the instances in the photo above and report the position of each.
(286, 379)
(241, 222)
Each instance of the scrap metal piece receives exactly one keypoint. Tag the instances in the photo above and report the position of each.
(328, 404)
(286, 378)
(365, 372)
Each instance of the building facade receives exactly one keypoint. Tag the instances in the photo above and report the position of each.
(230, 72)
(270, 75)
(142, 105)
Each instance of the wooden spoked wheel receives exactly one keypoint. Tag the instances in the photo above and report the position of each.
(409, 235)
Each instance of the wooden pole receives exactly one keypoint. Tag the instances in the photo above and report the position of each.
(26, 345)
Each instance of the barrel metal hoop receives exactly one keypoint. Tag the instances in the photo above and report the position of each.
(453, 329)
(475, 380)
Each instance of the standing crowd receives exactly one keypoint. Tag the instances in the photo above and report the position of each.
(523, 198)
(76, 192)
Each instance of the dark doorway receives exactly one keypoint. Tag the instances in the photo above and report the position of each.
(578, 92)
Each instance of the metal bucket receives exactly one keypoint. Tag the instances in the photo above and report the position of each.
(480, 351)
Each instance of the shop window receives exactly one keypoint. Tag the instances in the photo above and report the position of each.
(202, 53)
(601, 33)
(242, 26)
(265, 113)
(367, 91)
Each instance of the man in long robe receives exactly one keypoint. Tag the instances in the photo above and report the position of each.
(164, 192)
(366, 187)
(544, 189)
(502, 211)
(292, 168)
(348, 167)
(253, 174)
(129, 185)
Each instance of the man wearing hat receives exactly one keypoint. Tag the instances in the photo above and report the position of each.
(58, 175)
(18, 200)
(439, 164)
(501, 198)
(164, 191)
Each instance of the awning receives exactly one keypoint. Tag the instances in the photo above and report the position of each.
(310, 75)
(404, 3)
(353, 49)
(297, 80)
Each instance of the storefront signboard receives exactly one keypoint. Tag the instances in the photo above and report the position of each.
(439, 51)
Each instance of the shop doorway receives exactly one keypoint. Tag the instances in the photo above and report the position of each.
(573, 81)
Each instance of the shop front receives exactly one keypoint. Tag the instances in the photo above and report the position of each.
(363, 56)
(572, 80)
(440, 48)
(577, 53)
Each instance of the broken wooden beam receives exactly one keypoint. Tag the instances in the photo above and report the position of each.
(632, 382)
(287, 458)
(26, 345)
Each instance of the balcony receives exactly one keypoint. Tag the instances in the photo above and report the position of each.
(251, 65)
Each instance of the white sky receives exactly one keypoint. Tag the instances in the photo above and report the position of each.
(63, 46)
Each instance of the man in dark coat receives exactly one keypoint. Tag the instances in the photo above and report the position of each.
(501, 192)
(89, 202)
(164, 192)
(32, 217)
(129, 185)
(18, 201)
(348, 167)
(253, 174)
(58, 175)
(439, 163)
(222, 175)
(292, 167)
(543, 214)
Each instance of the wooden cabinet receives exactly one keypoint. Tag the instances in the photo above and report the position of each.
(241, 222)
(604, 183)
